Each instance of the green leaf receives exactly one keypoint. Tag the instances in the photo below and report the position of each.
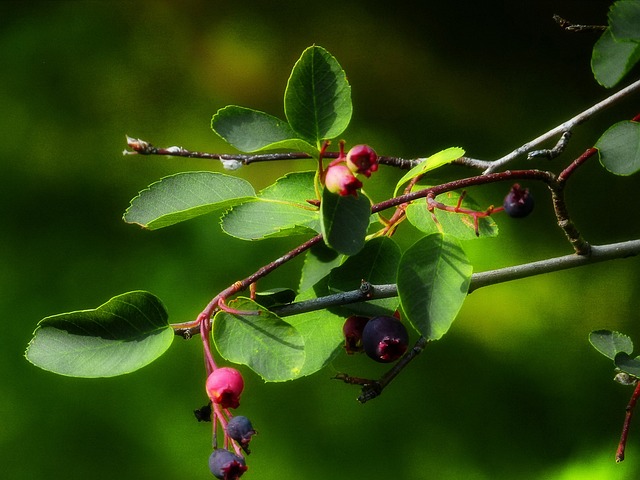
(624, 20)
(436, 160)
(322, 333)
(120, 336)
(433, 281)
(611, 60)
(619, 148)
(317, 101)
(610, 343)
(183, 196)
(280, 209)
(344, 221)
(267, 344)
(376, 263)
(318, 262)
(251, 131)
(627, 364)
(458, 225)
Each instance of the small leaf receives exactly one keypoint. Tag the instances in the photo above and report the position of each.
(120, 336)
(433, 281)
(619, 148)
(611, 60)
(265, 343)
(344, 221)
(458, 225)
(627, 364)
(184, 196)
(317, 101)
(280, 210)
(251, 131)
(318, 262)
(376, 263)
(610, 343)
(624, 18)
(436, 160)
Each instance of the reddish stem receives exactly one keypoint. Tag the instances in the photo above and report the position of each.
(627, 422)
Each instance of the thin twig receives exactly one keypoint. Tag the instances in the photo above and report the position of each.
(627, 423)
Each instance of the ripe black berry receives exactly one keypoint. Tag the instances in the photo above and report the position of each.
(385, 339)
(226, 465)
(240, 429)
(519, 202)
(352, 330)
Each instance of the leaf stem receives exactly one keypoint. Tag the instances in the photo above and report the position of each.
(627, 423)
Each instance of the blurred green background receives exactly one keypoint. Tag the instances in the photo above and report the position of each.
(514, 391)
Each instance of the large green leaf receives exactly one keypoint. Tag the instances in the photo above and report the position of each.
(619, 148)
(457, 225)
(280, 209)
(121, 336)
(271, 347)
(251, 131)
(624, 19)
(436, 160)
(433, 281)
(322, 333)
(376, 263)
(611, 59)
(610, 343)
(345, 221)
(184, 196)
(317, 101)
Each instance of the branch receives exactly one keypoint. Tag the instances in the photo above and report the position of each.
(492, 166)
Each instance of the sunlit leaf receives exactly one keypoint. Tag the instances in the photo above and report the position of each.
(317, 101)
(433, 281)
(434, 161)
(120, 336)
(183, 196)
(271, 347)
(251, 131)
(610, 343)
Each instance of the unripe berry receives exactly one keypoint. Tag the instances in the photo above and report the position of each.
(519, 202)
(240, 429)
(339, 179)
(224, 387)
(362, 159)
(352, 330)
(226, 465)
(385, 339)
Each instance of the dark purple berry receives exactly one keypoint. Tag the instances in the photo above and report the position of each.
(519, 202)
(226, 465)
(352, 330)
(385, 339)
(240, 429)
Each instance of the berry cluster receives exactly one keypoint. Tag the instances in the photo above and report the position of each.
(382, 338)
(340, 176)
(224, 387)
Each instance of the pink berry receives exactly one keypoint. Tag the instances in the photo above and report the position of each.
(340, 180)
(362, 159)
(224, 387)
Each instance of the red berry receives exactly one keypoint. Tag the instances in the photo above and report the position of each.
(352, 330)
(224, 387)
(362, 159)
(385, 339)
(339, 179)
